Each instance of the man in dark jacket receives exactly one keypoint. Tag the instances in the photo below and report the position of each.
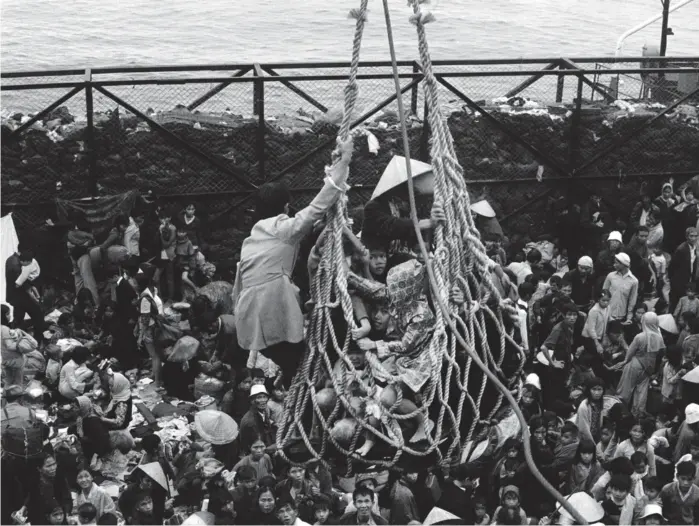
(19, 297)
(257, 422)
(363, 499)
(683, 267)
(583, 281)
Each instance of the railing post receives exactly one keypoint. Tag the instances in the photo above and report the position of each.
(90, 136)
(425, 136)
(414, 92)
(574, 146)
(259, 110)
(559, 87)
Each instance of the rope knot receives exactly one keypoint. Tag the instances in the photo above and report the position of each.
(422, 18)
(358, 14)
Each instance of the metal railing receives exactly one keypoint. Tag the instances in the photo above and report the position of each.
(215, 133)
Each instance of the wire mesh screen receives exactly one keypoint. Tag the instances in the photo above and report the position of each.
(200, 135)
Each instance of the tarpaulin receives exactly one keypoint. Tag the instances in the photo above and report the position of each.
(99, 212)
(8, 246)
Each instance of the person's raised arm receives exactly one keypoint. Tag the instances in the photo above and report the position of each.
(292, 229)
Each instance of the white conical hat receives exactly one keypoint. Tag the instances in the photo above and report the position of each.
(692, 376)
(483, 208)
(155, 471)
(395, 174)
(667, 323)
(438, 515)
(589, 508)
(200, 518)
(533, 379)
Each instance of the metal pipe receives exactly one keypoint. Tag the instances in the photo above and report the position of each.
(636, 29)
(90, 135)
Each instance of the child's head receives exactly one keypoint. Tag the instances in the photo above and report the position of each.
(686, 471)
(87, 513)
(566, 287)
(694, 448)
(380, 317)
(606, 432)
(296, 473)
(529, 395)
(245, 380)
(595, 386)
(378, 257)
(246, 477)
(652, 487)
(686, 319)
(108, 518)
(615, 331)
(570, 314)
(555, 283)
(586, 453)
(585, 362)
(258, 376)
(190, 210)
(164, 215)
(674, 356)
(512, 448)
(121, 223)
(652, 515)
(151, 444)
(569, 433)
(321, 508)
(526, 291)
(286, 510)
(620, 486)
(479, 506)
(182, 236)
(604, 298)
(691, 291)
(26, 257)
(57, 516)
(537, 428)
(639, 461)
(510, 497)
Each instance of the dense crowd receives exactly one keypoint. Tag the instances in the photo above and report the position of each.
(155, 394)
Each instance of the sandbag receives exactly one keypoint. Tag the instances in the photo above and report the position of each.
(206, 385)
(35, 363)
(26, 343)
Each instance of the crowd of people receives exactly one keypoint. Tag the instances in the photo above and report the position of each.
(607, 332)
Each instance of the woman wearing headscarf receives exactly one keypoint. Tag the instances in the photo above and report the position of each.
(93, 434)
(117, 414)
(640, 364)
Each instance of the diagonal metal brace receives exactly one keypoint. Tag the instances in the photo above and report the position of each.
(175, 139)
(216, 90)
(301, 93)
(17, 132)
(623, 140)
(540, 156)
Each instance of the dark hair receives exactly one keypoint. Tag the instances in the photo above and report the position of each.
(26, 255)
(151, 443)
(585, 446)
(165, 212)
(511, 464)
(566, 282)
(534, 256)
(271, 199)
(556, 280)
(64, 319)
(642, 228)
(87, 511)
(569, 427)
(262, 489)
(585, 360)
(695, 441)
(652, 483)
(143, 281)
(534, 278)
(622, 482)
(686, 469)
(84, 296)
(108, 518)
(569, 308)
(536, 422)
(615, 327)
(375, 243)
(285, 500)
(526, 289)
(674, 356)
(5, 314)
(121, 220)
(246, 473)
(256, 372)
(80, 354)
(691, 287)
(620, 466)
(605, 294)
(639, 457)
(364, 491)
(268, 481)
(321, 502)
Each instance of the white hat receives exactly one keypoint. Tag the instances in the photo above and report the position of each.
(623, 258)
(533, 379)
(585, 261)
(652, 509)
(483, 208)
(589, 508)
(395, 174)
(541, 358)
(692, 413)
(692, 376)
(667, 323)
(615, 236)
(438, 515)
(258, 389)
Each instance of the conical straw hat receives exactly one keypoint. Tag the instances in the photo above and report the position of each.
(200, 518)
(438, 515)
(395, 174)
(667, 323)
(216, 427)
(692, 376)
(483, 208)
(155, 471)
(590, 509)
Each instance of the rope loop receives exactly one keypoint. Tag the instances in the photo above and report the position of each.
(422, 18)
(358, 14)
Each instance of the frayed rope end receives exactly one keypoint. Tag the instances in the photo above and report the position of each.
(358, 15)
